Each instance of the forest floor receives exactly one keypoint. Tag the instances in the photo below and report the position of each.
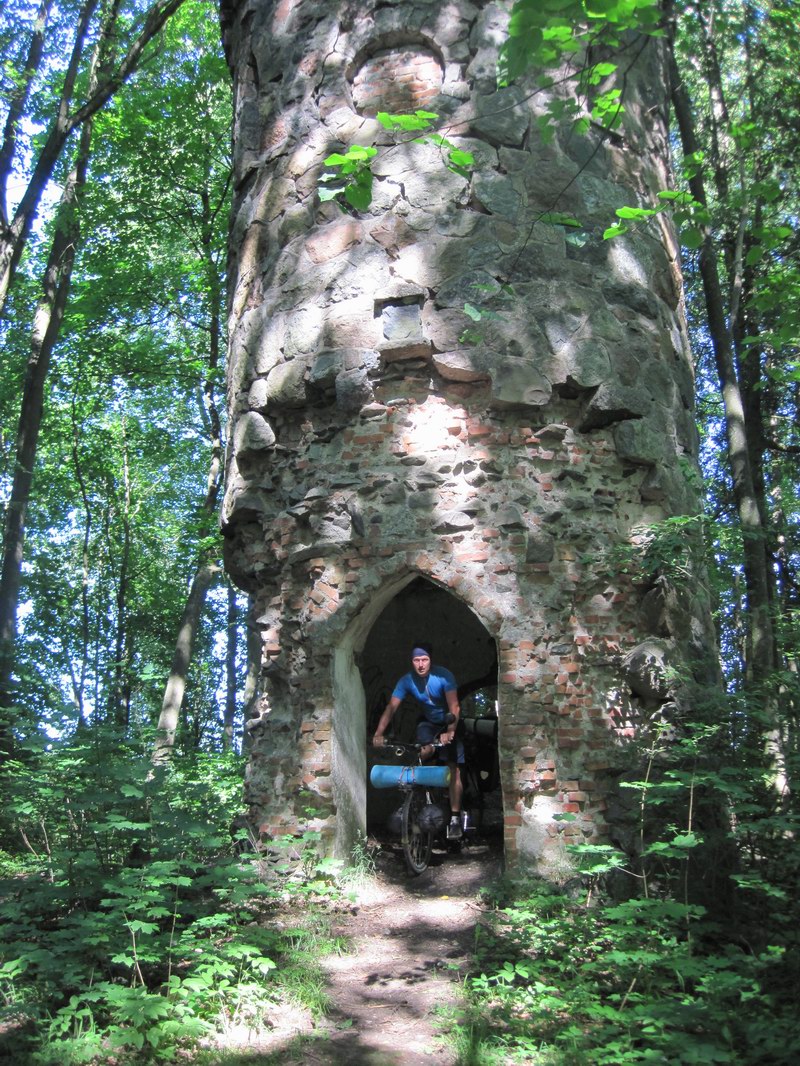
(407, 947)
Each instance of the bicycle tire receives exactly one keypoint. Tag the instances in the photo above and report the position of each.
(417, 844)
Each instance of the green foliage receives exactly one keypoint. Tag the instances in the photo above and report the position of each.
(583, 974)
(351, 177)
(131, 923)
(556, 36)
(349, 182)
(118, 518)
(672, 552)
(685, 211)
(744, 114)
(420, 120)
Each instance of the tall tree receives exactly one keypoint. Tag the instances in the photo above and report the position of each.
(141, 339)
(739, 152)
(66, 113)
(46, 327)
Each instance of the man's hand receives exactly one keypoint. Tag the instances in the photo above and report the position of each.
(446, 738)
(378, 740)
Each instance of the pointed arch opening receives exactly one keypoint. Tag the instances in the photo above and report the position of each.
(423, 610)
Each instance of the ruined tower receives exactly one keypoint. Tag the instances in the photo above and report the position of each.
(450, 415)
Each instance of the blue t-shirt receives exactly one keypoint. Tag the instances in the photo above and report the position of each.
(430, 691)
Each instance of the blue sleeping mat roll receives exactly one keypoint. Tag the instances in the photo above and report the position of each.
(393, 776)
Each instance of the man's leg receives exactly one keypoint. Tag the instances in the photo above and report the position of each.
(454, 830)
(456, 788)
(425, 734)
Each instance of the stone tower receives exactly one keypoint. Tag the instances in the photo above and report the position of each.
(401, 467)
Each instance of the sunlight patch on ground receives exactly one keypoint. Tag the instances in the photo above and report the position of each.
(283, 1025)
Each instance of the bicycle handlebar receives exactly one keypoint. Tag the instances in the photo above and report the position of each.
(400, 747)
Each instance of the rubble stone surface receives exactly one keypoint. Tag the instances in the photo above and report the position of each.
(450, 394)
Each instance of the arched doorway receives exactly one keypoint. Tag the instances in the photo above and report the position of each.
(422, 610)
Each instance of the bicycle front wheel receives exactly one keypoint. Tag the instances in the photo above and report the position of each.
(417, 843)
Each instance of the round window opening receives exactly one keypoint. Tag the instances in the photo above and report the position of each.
(397, 80)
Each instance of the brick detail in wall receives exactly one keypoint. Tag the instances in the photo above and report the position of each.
(397, 81)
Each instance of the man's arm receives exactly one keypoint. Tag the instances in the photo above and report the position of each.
(385, 719)
(454, 708)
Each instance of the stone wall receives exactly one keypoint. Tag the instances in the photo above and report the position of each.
(380, 435)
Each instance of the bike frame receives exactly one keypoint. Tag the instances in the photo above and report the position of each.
(417, 842)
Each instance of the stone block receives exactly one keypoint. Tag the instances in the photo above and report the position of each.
(401, 322)
(353, 389)
(333, 240)
(498, 194)
(261, 334)
(302, 332)
(646, 669)
(516, 383)
(351, 323)
(422, 169)
(612, 403)
(257, 396)
(286, 384)
(501, 117)
(253, 433)
(643, 441)
(451, 521)
(474, 286)
(509, 516)
(540, 548)
(467, 364)
(324, 368)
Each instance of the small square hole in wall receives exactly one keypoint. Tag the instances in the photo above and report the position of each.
(401, 319)
(401, 326)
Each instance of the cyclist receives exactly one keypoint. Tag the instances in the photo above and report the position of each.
(434, 690)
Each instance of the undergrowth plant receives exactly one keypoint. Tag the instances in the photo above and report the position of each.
(637, 960)
(131, 921)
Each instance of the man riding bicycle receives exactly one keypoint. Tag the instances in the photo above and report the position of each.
(435, 692)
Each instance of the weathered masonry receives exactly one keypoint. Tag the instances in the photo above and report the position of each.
(397, 468)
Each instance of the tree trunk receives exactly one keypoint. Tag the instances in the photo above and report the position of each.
(79, 682)
(250, 696)
(176, 683)
(118, 703)
(230, 671)
(20, 95)
(760, 658)
(47, 323)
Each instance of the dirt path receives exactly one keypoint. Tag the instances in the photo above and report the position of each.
(410, 946)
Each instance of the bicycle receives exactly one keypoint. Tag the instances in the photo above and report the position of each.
(420, 818)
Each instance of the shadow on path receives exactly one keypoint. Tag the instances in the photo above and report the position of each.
(410, 943)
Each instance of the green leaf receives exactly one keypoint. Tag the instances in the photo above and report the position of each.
(460, 158)
(557, 218)
(691, 237)
(614, 231)
(359, 196)
(600, 71)
(636, 213)
(420, 120)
